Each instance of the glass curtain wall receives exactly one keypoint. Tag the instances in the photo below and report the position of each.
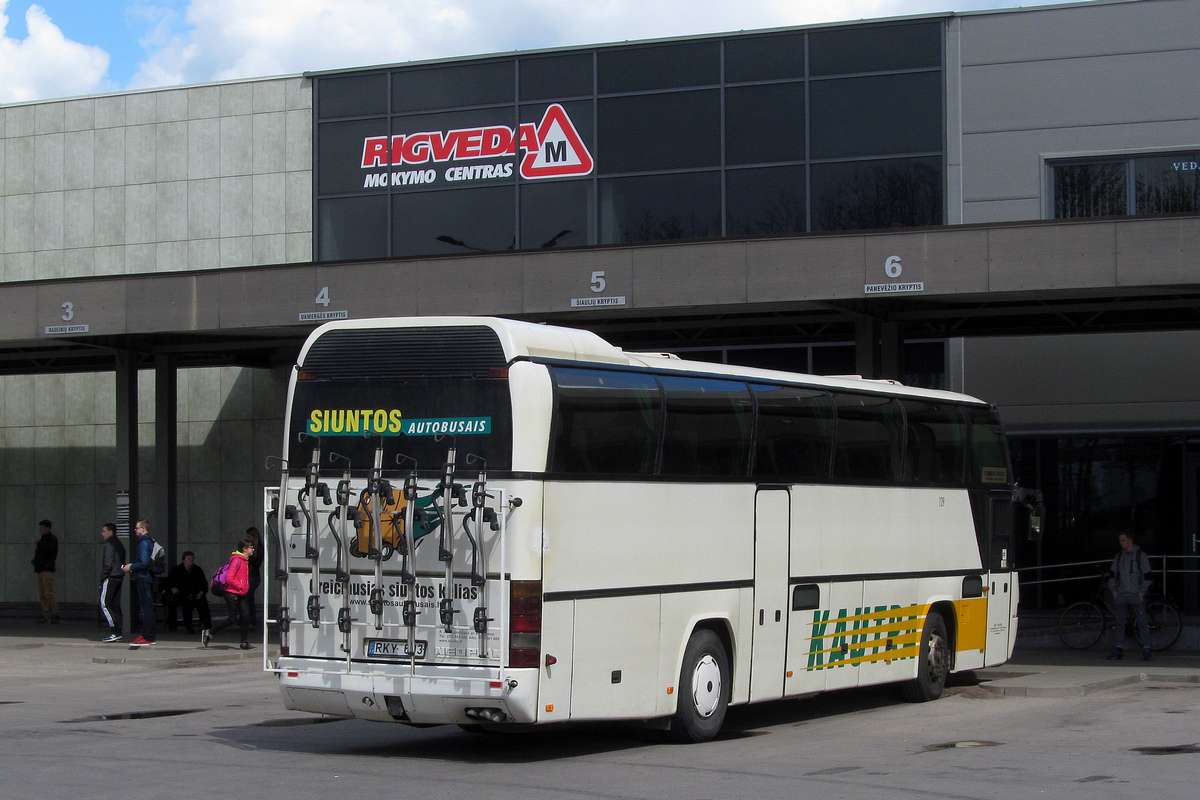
(1096, 488)
(749, 135)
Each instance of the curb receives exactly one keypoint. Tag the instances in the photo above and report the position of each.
(1039, 684)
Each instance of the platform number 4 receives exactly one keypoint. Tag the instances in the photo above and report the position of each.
(322, 297)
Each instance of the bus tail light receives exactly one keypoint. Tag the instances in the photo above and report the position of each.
(525, 624)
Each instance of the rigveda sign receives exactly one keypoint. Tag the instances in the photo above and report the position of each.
(551, 148)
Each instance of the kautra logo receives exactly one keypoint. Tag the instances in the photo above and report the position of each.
(552, 147)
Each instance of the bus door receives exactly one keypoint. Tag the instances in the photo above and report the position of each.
(1001, 580)
(772, 530)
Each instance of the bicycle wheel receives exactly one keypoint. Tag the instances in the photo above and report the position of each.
(1081, 625)
(1165, 625)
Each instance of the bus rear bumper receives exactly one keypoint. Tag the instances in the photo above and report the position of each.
(430, 696)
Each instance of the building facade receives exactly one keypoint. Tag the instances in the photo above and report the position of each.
(1005, 203)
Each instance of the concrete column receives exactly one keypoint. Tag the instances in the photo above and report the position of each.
(127, 458)
(166, 453)
(877, 348)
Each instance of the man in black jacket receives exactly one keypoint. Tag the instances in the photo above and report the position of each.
(111, 577)
(44, 556)
(187, 587)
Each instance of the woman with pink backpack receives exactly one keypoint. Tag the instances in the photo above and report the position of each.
(236, 578)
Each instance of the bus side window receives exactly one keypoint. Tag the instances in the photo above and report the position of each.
(708, 426)
(869, 439)
(606, 422)
(794, 433)
(936, 446)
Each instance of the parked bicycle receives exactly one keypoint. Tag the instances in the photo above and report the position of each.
(1083, 623)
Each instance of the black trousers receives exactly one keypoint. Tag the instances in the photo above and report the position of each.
(187, 603)
(110, 604)
(239, 613)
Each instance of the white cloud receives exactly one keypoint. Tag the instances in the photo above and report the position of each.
(45, 63)
(225, 39)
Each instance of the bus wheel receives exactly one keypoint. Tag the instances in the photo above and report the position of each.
(703, 689)
(933, 664)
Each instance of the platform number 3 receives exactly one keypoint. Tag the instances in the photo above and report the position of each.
(68, 312)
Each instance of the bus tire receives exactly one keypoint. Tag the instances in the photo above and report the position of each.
(933, 663)
(704, 689)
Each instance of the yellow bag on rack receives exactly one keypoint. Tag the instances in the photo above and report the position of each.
(391, 518)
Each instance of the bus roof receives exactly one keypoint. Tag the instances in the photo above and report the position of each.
(543, 342)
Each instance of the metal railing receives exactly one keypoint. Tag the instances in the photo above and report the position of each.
(1169, 575)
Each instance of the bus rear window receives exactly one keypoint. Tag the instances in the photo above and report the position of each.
(418, 419)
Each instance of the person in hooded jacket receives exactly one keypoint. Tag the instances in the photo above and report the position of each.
(237, 590)
(1129, 583)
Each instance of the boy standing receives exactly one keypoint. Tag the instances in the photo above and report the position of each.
(112, 575)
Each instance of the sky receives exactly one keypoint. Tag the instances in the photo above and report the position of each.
(67, 48)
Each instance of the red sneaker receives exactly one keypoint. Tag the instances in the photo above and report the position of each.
(140, 640)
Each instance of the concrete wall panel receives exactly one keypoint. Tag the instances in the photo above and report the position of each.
(18, 313)
(1078, 30)
(552, 281)
(1075, 93)
(1052, 257)
(251, 299)
(813, 268)
(1082, 382)
(79, 115)
(1158, 252)
(378, 289)
(703, 274)
(98, 304)
(474, 285)
(79, 153)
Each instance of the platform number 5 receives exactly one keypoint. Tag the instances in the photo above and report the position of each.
(598, 282)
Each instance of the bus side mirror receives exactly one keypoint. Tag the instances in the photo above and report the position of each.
(1032, 501)
(1035, 522)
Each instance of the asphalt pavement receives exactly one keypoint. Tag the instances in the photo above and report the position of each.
(1037, 669)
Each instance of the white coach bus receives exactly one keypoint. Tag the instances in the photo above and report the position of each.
(489, 523)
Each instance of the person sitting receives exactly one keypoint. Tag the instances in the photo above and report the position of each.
(187, 588)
